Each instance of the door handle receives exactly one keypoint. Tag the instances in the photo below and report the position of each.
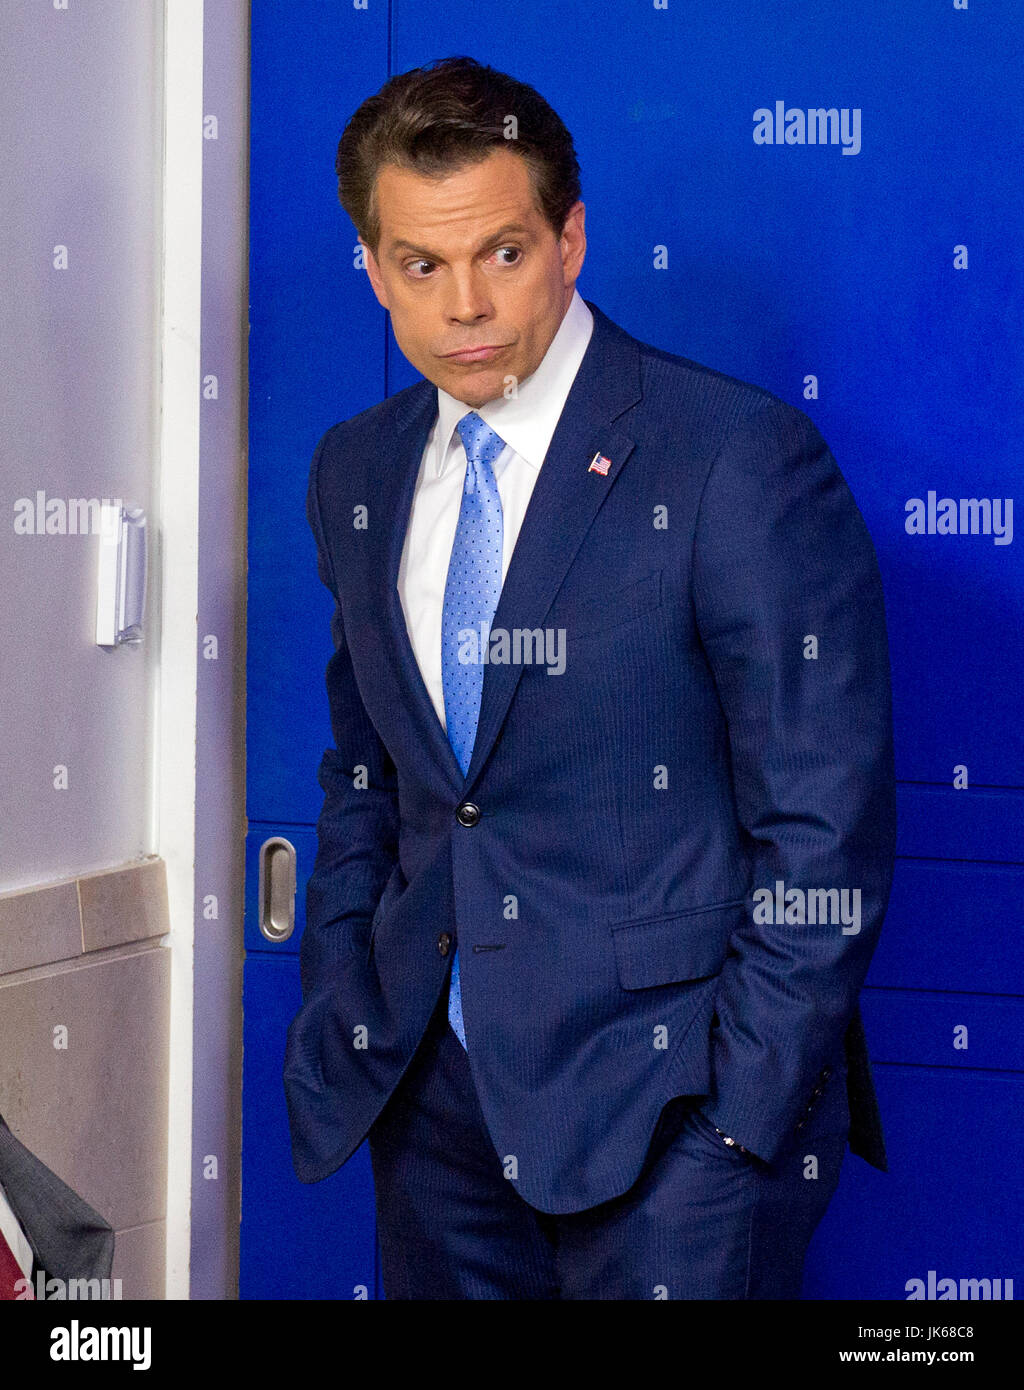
(276, 893)
(121, 576)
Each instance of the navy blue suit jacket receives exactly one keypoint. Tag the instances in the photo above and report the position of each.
(693, 750)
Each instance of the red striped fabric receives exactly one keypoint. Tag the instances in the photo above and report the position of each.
(10, 1273)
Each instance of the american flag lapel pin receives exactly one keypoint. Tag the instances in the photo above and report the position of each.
(600, 464)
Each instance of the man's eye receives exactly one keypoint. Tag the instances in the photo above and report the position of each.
(413, 270)
(513, 250)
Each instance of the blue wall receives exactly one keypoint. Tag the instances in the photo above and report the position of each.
(785, 262)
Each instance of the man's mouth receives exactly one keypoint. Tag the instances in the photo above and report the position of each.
(475, 354)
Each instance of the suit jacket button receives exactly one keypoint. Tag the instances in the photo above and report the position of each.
(444, 942)
(467, 814)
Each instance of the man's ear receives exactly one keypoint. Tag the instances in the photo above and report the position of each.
(373, 271)
(573, 243)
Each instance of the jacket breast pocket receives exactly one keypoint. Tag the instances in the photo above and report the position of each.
(677, 947)
(591, 617)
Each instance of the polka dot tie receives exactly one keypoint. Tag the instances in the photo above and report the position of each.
(471, 595)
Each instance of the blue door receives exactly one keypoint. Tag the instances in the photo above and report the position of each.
(316, 355)
(827, 273)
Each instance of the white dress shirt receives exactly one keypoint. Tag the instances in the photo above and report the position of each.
(526, 423)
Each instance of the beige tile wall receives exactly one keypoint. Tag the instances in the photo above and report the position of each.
(81, 961)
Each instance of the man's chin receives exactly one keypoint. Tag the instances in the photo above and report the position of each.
(474, 387)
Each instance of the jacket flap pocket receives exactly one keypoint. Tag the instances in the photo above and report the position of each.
(681, 946)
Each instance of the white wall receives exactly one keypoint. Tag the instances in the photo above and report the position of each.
(105, 369)
(80, 185)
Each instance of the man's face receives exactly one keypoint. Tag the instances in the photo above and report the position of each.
(474, 277)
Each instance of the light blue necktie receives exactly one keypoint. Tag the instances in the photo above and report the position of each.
(471, 595)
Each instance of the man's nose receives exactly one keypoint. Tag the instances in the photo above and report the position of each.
(467, 300)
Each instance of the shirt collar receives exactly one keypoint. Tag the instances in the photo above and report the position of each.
(527, 420)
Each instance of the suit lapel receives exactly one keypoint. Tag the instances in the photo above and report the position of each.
(405, 447)
(565, 500)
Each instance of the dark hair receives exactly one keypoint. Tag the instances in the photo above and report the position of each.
(452, 112)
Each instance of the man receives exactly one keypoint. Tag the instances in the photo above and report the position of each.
(609, 825)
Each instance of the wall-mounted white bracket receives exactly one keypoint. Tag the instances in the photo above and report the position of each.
(121, 583)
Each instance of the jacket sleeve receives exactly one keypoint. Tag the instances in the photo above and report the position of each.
(357, 831)
(790, 610)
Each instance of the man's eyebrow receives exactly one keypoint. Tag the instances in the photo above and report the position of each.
(509, 229)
